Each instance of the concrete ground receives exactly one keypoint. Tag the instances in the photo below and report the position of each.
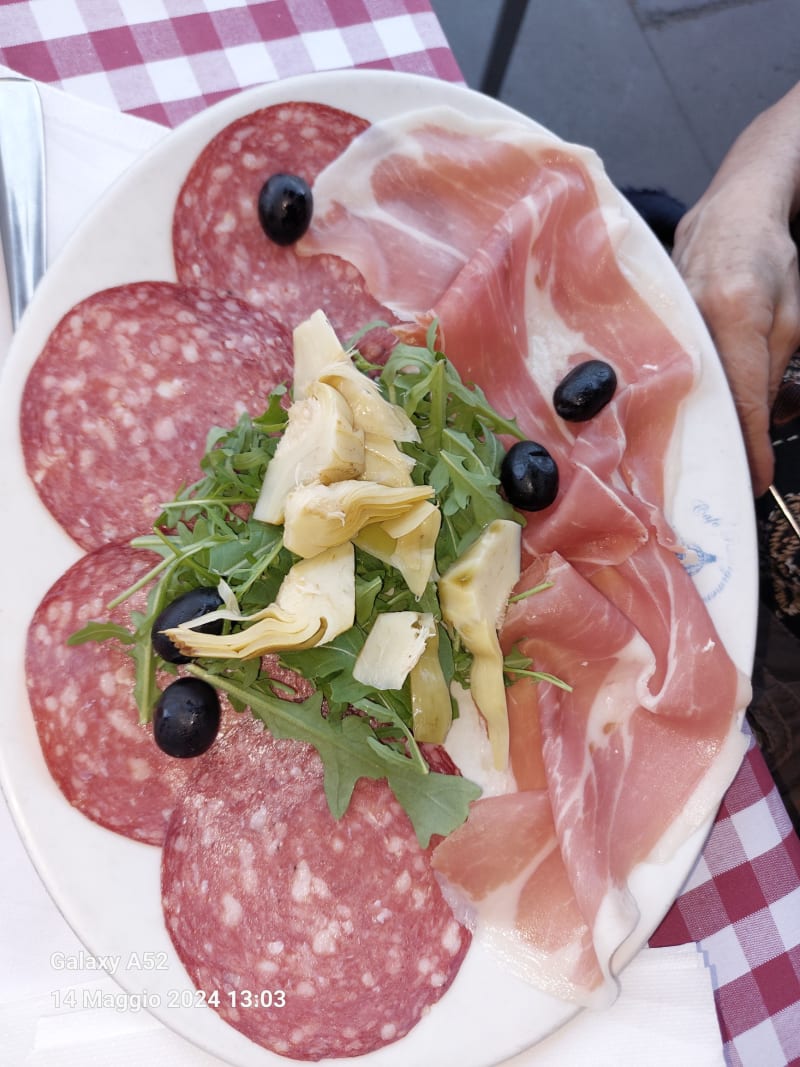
(659, 88)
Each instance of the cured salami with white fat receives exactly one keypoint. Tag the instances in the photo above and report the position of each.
(341, 923)
(117, 408)
(104, 761)
(219, 243)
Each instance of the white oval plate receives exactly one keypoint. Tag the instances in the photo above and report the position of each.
(106, 886)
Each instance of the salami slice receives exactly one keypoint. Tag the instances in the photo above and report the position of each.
(218, 241)
(105, 763)
(116, 409)
(315, 938)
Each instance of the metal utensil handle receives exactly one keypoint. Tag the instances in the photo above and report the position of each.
(787, 512)
(22, 190)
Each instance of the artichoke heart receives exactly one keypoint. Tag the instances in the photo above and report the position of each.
(321, 516)
(407, 543)
(473, 594)
(431, 704)
(372, 413)
(319, 444)
(392, 648)
(315, 345)
(315, 603)
(384, 462)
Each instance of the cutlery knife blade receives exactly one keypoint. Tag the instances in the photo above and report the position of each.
(22, 190)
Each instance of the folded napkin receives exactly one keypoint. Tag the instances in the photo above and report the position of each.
(49, 1018)
(664, 1017)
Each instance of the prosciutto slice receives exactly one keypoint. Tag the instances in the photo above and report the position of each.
(521, 888)
(505, 237)
(509, 239)
(593, 800)
(635, 709)
(421, 195)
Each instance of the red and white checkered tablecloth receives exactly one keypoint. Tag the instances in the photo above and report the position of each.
(742, 904)
(165, 60)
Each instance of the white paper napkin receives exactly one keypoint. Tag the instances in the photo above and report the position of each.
(48, 1018)
(664, 1017)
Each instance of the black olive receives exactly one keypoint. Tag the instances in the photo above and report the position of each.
(585, 390)
(189, 606)
(529, 476)
(186, 719)
(285, 204)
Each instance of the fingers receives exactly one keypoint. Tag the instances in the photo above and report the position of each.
(758, 445)
(784, 338)
(744, 353)
(748, 291)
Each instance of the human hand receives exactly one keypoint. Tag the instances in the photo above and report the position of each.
(736, 253)
(740, 264)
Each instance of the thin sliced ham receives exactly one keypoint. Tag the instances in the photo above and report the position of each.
(622, 449)
(542, 873)
(636, 707)
(421, 195)
(520, 888)
(508, 238)
(522, 274)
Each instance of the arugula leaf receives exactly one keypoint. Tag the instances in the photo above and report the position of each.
(101, 631)
(444, 805)
(146, 690)
(459, 453)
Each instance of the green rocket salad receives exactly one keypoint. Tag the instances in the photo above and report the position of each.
(208, 537)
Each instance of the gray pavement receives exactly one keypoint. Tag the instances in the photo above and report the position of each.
(660, 88)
